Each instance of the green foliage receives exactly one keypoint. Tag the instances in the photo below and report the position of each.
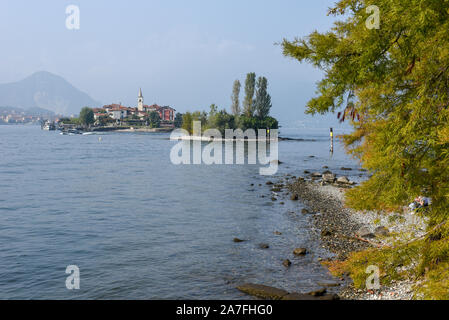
(393, 84)
(245, 123)
(250, 89)
(235, 107)
(86, 116)
(221, 120)
(187, 122)
(394, 264)
(263, 99)
(69, 120)
(154, 120)
(178, 120)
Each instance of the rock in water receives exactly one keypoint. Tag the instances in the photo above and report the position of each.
(237, 240)
(316, 175)
(262, 291)
(264, 246)
(343, 180)
(287, 263)
(300, 252)
(318, 293)
(294, 197)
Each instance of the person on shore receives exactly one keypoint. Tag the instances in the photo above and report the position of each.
(419, 203)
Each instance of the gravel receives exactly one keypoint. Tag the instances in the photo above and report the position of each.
(339, 228)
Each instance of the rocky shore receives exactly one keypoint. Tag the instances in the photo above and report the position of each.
(344, 230)
(341, 231)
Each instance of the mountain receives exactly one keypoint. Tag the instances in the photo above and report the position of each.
(44, 90)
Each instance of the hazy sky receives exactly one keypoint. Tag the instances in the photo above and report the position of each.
(183, 53)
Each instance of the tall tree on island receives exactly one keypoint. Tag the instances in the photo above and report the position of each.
(235, 107)
(263, 99)
(86, 117)
(178, 120)
(250, 88)
(386, 69)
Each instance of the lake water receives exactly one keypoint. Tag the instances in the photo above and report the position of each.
(139, 227)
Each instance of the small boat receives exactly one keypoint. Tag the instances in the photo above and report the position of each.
(71, 132)
(49, 126)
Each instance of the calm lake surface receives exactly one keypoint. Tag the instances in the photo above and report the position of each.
(139, 227)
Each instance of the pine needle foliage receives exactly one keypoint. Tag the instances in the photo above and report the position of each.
(392, 83)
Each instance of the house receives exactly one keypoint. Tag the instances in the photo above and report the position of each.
(119, 112)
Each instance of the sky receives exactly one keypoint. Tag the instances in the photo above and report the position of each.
(185, 54)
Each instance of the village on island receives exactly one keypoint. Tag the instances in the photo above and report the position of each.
(116, 117)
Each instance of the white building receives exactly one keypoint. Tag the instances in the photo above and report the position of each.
(140, 105)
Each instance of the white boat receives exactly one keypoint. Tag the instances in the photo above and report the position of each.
(49, 126)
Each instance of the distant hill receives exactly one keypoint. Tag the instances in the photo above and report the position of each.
(44, 90)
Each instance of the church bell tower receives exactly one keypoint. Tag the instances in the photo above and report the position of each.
(140, 101)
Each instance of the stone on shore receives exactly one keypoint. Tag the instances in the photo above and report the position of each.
(343, 180)
(329, 177)
(294, 197)
(318, 293)
(316, 175)
(261, 291)
(365, 233)
(286, 263)
(381, 232)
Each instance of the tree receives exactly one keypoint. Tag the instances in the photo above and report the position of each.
(235, 107)
(86, 117)
(263, 99)
(187, 122)
(250, 88)
(178, 120)
(154, 119)
(392, 83)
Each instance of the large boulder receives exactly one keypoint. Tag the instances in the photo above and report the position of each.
(300, 251)
(343, 180)
(329, 177)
